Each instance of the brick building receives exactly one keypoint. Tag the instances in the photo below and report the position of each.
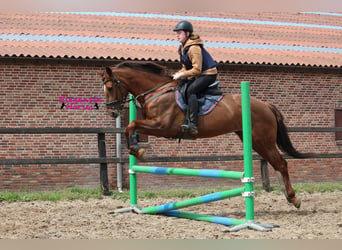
(292, 60)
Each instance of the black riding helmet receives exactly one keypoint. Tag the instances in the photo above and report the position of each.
(184, 25)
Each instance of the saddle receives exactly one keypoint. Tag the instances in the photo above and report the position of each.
(207, 100)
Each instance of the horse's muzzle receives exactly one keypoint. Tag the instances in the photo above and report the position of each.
(114, 108)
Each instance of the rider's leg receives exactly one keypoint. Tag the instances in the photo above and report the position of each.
(193, 113)
(198, 86)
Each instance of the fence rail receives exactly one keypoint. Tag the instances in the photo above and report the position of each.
(101, 139)
(149, 159)
(120, 130)
(60, 130)
(103, 160)
(315, 129)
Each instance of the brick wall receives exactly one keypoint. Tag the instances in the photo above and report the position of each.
(29, 98)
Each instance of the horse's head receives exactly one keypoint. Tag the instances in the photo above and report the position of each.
(115, 92)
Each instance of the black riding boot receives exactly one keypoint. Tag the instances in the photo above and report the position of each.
(193, 113)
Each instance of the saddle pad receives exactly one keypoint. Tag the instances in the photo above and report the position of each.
(206, 103)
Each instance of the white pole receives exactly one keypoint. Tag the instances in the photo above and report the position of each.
(118, 154)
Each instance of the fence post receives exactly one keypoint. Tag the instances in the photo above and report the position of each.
(101, 140)
(265, 176)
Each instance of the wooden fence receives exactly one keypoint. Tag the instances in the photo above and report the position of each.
(103, 160)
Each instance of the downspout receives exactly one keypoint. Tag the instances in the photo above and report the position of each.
(118, 155)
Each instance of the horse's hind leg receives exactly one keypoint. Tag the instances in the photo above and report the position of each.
(279, 164)
(265, 146)
(284, 181)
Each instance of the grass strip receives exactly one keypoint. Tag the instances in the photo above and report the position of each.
(78, 193)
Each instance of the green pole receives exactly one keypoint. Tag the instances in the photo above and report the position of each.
(194, 201)
(132, 160)
(209, 173)
(203, 217)
(247, 149)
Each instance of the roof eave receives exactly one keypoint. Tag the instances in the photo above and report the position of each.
(111, 60)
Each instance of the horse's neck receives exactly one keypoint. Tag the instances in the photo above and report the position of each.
(142, 84)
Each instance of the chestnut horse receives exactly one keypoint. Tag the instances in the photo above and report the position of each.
(155, 92)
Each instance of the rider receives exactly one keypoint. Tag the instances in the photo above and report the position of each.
(196, 63)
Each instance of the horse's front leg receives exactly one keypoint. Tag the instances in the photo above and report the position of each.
(148, 127)
(132, 141)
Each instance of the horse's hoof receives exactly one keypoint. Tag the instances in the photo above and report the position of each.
(141, 155)
(297, 202)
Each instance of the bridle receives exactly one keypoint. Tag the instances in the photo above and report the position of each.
(117, 104)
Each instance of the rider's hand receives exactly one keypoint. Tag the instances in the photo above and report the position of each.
(177, 75)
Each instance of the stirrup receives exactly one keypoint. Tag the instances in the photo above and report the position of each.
(193, 130)
(190, 128)
(184, 127)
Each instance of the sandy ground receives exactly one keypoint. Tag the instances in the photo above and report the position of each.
(320, 217)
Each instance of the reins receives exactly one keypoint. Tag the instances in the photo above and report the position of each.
(118, 85)
(153, 89)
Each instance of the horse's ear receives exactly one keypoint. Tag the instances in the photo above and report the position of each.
(109, 71)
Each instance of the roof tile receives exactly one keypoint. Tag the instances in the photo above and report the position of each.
(292, 29)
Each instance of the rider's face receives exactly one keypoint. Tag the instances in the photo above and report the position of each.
(181, 36)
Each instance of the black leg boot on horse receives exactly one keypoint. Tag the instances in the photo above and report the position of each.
(133, 147)
(191, 125)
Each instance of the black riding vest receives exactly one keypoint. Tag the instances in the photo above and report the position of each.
(207, 61)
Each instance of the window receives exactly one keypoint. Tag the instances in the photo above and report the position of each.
(338, 122)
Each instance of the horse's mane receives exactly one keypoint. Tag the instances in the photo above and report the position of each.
(149, 67)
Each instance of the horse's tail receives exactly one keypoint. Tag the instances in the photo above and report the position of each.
(283, 140)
